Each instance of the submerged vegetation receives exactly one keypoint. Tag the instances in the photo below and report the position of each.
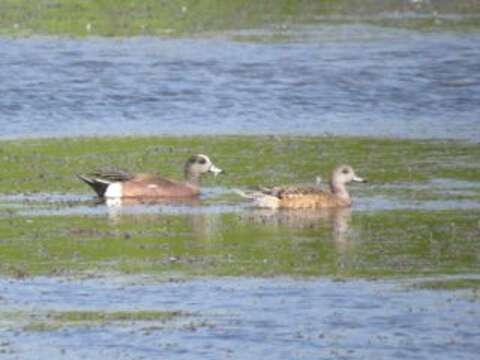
(180, 17)
(56, 320)
(450, 284)
(254, 244)
(220, 237)
(92, 264)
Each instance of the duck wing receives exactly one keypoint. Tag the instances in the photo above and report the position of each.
(101, 179)
(291, 191)
(111, 176)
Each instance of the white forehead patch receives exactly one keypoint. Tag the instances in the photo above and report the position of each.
(204, 156)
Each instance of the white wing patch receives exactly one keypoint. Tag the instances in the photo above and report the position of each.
(152, 186)
(114, 190)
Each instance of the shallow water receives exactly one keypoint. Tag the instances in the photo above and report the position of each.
(349, 80)
(268, 318)
(222, 234)
(272, 282)
(446, 194)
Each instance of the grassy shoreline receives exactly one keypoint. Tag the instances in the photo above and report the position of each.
(193, 17)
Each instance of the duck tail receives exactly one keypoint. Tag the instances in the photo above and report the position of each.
(246, 195)
(260, 199)
(98, 185)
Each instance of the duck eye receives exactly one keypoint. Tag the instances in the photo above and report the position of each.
(202, 161)
(345, 171)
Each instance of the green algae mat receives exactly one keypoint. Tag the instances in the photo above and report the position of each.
(193, 17)
(418, 215)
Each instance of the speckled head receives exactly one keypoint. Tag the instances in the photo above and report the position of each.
(345, 174)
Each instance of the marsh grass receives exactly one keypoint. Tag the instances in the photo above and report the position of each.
(393, 243)
(201, 17)
(187, 243)
(57, 320)
(150, 17)
(454, 284)
(50, 165)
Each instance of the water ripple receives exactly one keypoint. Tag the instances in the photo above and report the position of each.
(345, 80)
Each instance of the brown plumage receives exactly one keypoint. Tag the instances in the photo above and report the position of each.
(145, 185)
(120, 184)
(302, 197)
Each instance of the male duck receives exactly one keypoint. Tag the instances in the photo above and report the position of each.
(120, 184)
(303, 197)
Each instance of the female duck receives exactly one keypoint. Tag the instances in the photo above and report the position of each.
(304, 197)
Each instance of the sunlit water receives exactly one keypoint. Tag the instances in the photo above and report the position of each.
(214, 201)
(346, 80)
(240, 318)
(353, 80)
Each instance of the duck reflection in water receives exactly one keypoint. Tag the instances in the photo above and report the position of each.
(145, 205)
(338, 219)
(196, 219)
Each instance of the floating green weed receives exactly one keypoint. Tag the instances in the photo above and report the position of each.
(50, 165)
(246, 243)
(389, 243)
(448, 284)
(56, 320)
(147, 17)
(194, 17)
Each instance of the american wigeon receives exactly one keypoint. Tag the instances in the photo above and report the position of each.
(313, 197)
(120, 184)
